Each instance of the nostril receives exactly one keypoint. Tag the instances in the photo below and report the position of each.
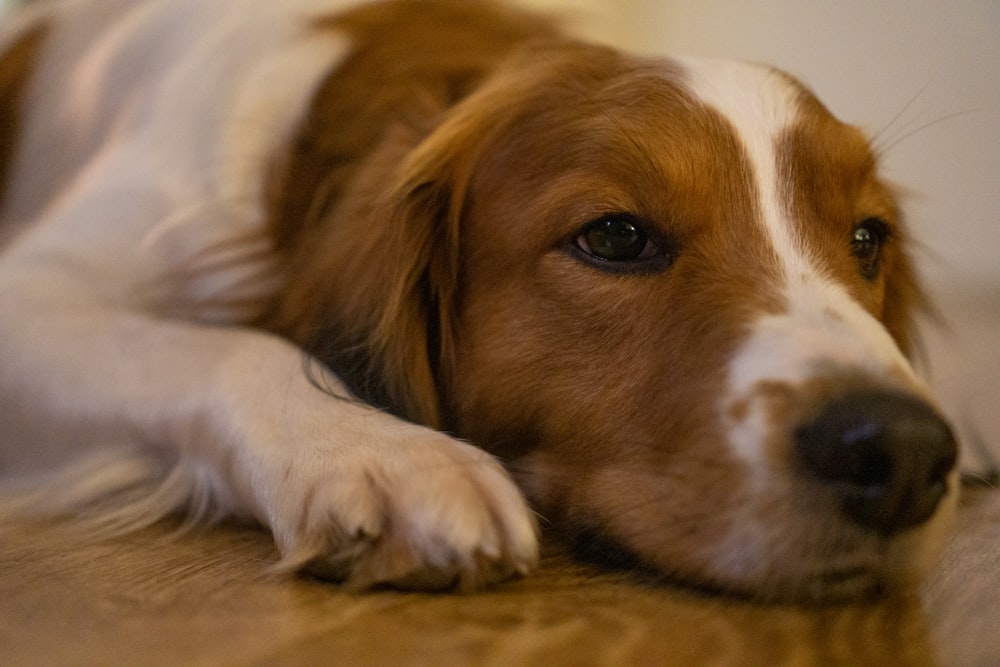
(873, 466)
(887, 454)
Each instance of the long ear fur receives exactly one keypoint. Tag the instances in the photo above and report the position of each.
(367, 207)
(368, 292)
(413, 340)
(372, 295)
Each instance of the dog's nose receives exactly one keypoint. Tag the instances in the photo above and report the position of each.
(887, 454)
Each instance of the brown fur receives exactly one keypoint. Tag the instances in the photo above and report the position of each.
(426, 214)
(426, 241)
(340, 190)
(832, 182)
(467, 224)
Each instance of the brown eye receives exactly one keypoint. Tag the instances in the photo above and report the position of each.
(866, 245)
(616, 238)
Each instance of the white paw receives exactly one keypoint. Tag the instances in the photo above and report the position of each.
(404, 506)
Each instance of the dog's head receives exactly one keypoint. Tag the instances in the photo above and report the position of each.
(675, 298)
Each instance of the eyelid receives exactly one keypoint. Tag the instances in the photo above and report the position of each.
(663, 255)
(877, 224)
(868, 252)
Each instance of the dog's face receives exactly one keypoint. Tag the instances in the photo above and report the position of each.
(674, 298)
(668, 277)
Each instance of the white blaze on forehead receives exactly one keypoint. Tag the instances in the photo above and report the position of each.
(822, 327)
(760, 104)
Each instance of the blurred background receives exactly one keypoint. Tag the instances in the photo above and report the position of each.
(920, 76)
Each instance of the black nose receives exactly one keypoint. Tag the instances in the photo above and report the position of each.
(887, 454)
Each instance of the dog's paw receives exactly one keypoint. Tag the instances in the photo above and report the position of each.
(408, 508)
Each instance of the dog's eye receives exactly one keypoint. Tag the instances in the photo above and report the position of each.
(616, 238)
(866, 246)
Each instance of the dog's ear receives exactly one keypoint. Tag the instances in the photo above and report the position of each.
(371, 288)
(413, 340)
(372, 274)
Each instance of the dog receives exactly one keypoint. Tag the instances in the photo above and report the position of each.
(402, 282)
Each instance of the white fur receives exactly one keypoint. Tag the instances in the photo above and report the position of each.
(124, 187)
(128, 390)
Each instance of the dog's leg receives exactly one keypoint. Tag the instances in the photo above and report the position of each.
(346, 490)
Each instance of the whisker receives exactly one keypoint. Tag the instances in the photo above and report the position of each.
(876, 139)
(882, 149)
(988, 476)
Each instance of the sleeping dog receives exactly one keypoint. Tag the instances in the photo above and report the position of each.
(390, 279)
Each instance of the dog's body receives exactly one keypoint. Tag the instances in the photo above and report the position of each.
(671, 295)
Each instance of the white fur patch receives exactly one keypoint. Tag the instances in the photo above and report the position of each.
(822, 325)
(760, 104)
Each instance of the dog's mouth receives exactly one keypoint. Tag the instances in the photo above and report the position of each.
(856, 580)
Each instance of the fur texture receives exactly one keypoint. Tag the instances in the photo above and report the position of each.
(322, 267)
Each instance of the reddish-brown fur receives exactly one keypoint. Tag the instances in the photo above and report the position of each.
(830, 175)
(340, 200)
(428, 264)
(425, 218)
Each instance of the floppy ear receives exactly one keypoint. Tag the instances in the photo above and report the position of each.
(412, 344)
(372, 267)
(371, 291)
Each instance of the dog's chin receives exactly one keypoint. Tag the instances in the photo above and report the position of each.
(888, 568)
